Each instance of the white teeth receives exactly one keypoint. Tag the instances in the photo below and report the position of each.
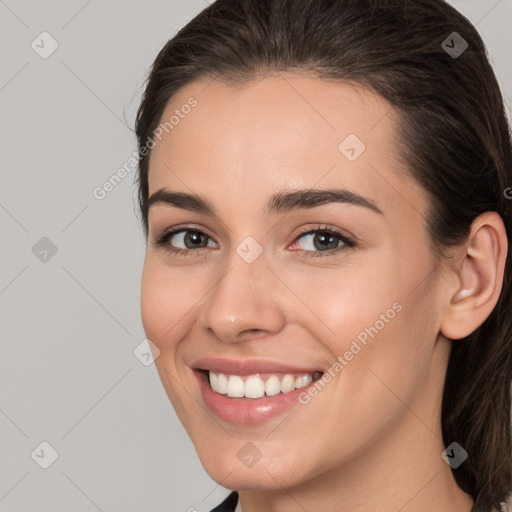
(272, 386)
(300, 382)
(287, 384)
(255, 387)
(222, 384)
(214, 380)
(235, 386)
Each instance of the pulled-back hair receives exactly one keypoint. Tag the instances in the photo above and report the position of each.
(454, 140)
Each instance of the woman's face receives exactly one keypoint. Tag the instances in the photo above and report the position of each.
(260, 287)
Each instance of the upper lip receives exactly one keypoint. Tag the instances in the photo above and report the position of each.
(248, 366)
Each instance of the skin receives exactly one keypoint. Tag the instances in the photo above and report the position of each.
(371, 439)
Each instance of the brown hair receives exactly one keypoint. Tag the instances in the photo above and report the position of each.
(455, 142)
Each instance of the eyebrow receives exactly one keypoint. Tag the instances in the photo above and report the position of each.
(281, 202)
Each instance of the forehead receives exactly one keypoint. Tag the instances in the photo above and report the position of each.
(277, 132)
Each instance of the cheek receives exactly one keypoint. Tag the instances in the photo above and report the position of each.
(369, 316)
(167, 300)
(166, 305)
(336, 304)
(154, 307)
(388, 352)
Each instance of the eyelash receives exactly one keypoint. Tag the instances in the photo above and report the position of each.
(348, 242)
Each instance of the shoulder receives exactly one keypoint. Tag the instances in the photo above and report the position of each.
(229, 504)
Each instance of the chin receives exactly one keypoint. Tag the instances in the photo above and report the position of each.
(228, 470)
(247, 479)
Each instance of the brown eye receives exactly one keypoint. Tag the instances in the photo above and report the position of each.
(323, 242)
(183, 241)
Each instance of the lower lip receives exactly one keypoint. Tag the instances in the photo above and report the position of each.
(247, 411)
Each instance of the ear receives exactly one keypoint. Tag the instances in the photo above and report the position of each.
(474, 282)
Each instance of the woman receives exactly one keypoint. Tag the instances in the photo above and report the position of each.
(323, 187)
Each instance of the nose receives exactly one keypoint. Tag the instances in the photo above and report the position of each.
(245, 302)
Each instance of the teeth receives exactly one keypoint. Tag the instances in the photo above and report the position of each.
(272, 386)
(235, 386)
(255, 387)
(287, 384)
(300, 382)
(214, 381)
(222, 384)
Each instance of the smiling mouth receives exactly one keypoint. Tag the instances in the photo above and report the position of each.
(258, 385)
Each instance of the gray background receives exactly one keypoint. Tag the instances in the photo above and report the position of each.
(70, 324)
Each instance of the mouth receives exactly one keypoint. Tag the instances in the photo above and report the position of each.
(258, 385)
(251, 392)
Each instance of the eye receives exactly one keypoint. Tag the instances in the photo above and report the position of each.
(190, 240)
(323, 241)
(318, 242)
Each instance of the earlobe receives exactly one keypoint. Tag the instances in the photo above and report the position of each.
(478, 277)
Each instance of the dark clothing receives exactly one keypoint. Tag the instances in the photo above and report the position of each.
(229, 505)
